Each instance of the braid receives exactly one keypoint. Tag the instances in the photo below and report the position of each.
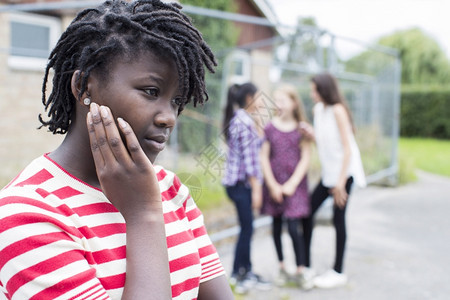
(120, 29)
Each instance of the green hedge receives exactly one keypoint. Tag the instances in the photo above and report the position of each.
(425, 112)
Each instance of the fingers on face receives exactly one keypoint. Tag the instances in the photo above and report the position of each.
(136, 152)
(106, 143)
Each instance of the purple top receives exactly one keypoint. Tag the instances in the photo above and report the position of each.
(243, 150)
(285, 154)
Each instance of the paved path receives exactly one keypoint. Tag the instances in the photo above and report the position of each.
(398, 246)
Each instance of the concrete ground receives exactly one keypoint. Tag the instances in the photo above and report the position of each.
(398, 246)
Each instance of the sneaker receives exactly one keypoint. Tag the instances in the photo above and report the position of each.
(251, 280)
(233, 279)
(305, 280)
(283, 278)
(240, 287)
(330, 279)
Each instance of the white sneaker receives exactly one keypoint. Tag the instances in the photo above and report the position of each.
(330, 279)
(252, 280)
(282, 278)
(305, 279)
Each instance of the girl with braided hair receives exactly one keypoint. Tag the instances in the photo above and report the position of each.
(95, 219)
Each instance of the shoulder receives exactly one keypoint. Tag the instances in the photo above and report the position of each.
(242, 117)
(340, 112)
(269, 127)
(318, 107)
(338, 108)
(171, 187)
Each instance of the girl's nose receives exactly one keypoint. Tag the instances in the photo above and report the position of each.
(166, 116)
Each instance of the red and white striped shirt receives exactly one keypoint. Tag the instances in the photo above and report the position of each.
(62, 239)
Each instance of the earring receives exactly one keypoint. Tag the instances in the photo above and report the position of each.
(87, 101)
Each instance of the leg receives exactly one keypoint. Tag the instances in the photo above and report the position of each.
(341, 232)
(297, 241)
(319, 195)
(241, 196)
(277, 226)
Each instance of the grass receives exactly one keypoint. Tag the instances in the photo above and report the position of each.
(430, 155)
(205, 188)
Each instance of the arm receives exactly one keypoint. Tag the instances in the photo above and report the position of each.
(307, 130)
(248, 140)
(300, 171)
(217, 289)
(272, 184)
(343, 123)
(128, 179)
(256, 187)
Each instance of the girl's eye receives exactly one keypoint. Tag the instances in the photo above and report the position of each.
(152, 92)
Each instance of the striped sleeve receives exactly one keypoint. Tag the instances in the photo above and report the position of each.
(41, 253)
(209, 258)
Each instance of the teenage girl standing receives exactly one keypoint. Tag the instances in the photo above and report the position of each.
(243, 177)
(340, 166)
(285, 157)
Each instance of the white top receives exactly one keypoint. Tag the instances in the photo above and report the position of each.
(331, 150)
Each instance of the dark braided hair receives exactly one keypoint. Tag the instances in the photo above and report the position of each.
(121, 29)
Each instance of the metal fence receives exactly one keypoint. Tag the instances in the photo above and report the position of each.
(369, 77)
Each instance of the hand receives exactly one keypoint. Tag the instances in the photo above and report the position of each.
(126, 175)
(276, 192)
(340, 196)
(307, 130)
(289, 188)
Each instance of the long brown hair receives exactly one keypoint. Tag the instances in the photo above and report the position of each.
(328, 89)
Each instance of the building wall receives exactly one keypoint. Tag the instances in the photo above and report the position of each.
(250, 32)
(20, 104)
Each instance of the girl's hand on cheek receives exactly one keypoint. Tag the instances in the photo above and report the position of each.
(126, 175)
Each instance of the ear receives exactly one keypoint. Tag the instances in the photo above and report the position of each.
(75, 85)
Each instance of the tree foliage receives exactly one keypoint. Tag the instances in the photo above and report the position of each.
(301, 47)
(193, 133)
(423, 60)
(220, 34)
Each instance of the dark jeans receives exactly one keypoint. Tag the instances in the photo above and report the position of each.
(242, 198)
(319, 195)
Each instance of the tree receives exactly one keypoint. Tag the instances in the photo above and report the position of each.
(302, 48)
(220, 35)
(423, 60)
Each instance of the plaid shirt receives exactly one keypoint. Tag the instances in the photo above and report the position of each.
(243, 150)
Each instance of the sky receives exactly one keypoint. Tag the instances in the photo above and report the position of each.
(368, 20)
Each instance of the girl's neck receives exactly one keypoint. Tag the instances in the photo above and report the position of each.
(287, 118)
(74, 155)
(285, 124)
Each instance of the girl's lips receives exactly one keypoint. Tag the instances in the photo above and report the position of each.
(155, 144)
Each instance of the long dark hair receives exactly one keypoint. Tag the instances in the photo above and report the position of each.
(237, 96)
(115, 29)
(328, 89)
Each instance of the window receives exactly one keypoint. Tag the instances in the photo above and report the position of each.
(238, 67)
(32, 37)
